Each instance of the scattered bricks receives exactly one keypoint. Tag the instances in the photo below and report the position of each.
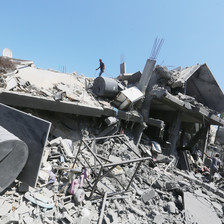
(148, 195)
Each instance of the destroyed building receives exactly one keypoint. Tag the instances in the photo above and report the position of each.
(123, 140)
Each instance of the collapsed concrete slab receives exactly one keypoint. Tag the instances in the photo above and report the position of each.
(199, 209)
(77, 115)
(201, 84)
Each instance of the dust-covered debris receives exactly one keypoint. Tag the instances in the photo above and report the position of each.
(122, 156)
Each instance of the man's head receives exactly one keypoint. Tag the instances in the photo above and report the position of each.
(100, 60)
(216, 155)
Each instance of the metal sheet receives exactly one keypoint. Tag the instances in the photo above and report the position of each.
(31, 130)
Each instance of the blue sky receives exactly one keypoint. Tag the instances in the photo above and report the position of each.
(76, 33)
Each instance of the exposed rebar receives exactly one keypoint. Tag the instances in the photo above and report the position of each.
(156, 48)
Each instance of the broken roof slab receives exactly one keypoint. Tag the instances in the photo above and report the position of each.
(42, 103)
(190, 113)
(40, 93)
(201, 85)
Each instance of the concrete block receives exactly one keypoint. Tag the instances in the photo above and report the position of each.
(171, 207)
(11, 84)
(146, 75)
(67, 147)
(111, 120)
(136, 210)
(131, 218)
(158, 219)
(23, 209)
(118, 207)
(9, 220)
(83, 220)
(171, 186)
(200, 209)
(28, 220)
(148, 195)
(158, 184)
(55, 141)
(5, 208)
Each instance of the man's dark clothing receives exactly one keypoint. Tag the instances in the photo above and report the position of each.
(102, 67)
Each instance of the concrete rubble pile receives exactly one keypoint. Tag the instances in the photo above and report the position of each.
(156, 195)
(132, 149)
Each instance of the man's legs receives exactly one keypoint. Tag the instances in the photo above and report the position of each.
(100, 73)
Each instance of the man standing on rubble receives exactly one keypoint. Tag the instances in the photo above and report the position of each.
(102, 67)
(215, 165)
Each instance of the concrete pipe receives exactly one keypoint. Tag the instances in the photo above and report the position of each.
(13, 157)
(106, 87)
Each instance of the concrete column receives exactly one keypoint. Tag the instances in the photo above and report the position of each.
(174, 133)
(138, 130)
(205, 141)
(182, 138)
(123, 68)
(146, 75)
(195, 138)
